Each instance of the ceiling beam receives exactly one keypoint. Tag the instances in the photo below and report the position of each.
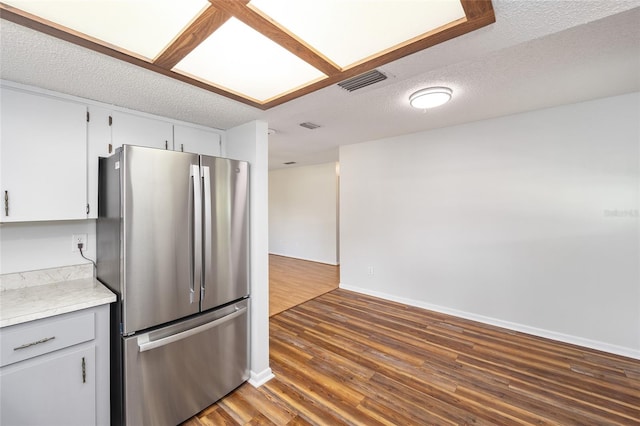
(474, 9)
(478, 14)
(202, 27)
(47, 27)
(271, 30)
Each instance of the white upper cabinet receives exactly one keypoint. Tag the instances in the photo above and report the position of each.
(132, 129)
(98, 145)
(43, 157)
(195, 140)
(49, 150)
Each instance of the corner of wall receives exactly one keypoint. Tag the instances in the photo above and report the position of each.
(248, 142)
(258, 379)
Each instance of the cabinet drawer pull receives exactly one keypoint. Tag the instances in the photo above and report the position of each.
(37, 342)
(6, 203)
(84, 371)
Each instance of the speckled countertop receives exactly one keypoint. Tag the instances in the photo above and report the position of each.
(36, 298)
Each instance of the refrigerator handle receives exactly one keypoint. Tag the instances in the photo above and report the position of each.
(196, 232)
(207, 224)
(144, 344)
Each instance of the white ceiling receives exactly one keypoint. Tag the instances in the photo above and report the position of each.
(537, 54)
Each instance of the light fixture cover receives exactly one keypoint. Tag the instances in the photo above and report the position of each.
(430, 97)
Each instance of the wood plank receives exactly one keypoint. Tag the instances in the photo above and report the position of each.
(195, 33)
(47, 27)
(294, 281)
(267, 27)
(479, 13)
(308, 408)
(474, 9)
(269, 407)
(432, 38)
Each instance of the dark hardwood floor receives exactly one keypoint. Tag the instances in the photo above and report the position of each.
(345, 358)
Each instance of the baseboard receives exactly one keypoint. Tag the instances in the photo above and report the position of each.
(259, 379)
(566, 338)
(305, 258)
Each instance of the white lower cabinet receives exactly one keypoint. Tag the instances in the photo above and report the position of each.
(54, 390)
(55, 371)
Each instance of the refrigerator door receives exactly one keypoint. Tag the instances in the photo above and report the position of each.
(225, 233)
(175, 372)
(161, 258)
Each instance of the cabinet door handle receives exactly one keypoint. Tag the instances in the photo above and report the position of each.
(166, 144)
(6, 203)
(37, 342)
(182, 147)
(84, 371)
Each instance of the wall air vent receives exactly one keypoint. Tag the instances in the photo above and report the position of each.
(309, 125)
(362, 80)
(288, 163)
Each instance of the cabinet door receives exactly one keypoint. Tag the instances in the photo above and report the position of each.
(195, 140)
(43, 158)
(50, 390)
(98, 145)
(142, 131)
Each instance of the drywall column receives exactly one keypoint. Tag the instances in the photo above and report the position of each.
(249, 142)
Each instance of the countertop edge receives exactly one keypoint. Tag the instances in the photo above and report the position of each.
(97, 295)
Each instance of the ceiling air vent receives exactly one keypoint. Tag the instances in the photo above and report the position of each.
(362, 80)
(309, 125)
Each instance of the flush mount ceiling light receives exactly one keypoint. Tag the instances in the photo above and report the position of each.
(260, 52)
(430, 98)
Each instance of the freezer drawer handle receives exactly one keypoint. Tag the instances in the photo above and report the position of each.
(145, 345)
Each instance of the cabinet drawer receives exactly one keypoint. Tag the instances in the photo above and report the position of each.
(28, 340)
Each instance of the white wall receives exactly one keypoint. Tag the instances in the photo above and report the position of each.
(249, 142)
(303, 212)
(41, 245)
(528, 221)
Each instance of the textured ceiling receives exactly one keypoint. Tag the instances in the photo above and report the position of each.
(30, 57)
(537, 54)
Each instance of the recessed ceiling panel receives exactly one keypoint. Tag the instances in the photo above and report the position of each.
(144, 27)
(349, 31)
(240, 59)
(260, 52)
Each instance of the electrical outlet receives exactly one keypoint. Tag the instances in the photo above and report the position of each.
(370, 270)
(77, 239)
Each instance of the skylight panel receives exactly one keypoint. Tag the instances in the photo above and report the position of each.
(276, 51)
(144, 27)
(240, 59)
(350, 31)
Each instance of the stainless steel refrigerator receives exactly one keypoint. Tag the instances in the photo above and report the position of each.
(173, 244)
